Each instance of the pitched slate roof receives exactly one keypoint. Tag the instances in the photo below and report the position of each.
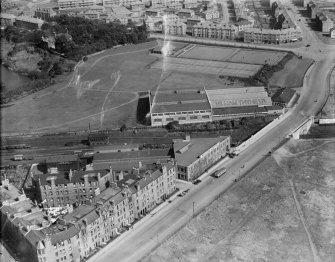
(283, 95)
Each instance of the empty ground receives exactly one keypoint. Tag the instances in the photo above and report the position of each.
(257, 219)
(293, 73)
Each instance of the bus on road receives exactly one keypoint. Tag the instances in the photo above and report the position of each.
(220, 172)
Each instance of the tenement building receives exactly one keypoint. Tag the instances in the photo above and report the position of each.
(78, 234)
(59, 188)
(214, 30)
(194, 156)
(271, 36)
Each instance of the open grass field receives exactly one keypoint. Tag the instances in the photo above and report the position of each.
(102, 92)
(257, 219)
(207, 67)
(293, 73)
(257, 57)
(210, 53)
(234, 55)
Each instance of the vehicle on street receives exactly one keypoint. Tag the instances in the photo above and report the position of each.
(308, 45)
(220, 172)
(195, 182)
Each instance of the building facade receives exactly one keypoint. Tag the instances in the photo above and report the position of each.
(57, 189)
(73, 4)
(28, 23)
(217, 31)
(79, 233)
(270, 36)
(45, 12)
(7, 19)
(174, 28)
(194, 156)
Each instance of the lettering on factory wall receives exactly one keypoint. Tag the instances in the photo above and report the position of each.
(241, 102)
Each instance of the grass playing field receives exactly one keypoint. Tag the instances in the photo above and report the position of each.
(235, 55)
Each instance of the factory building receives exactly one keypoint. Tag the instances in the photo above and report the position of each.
(206, 105)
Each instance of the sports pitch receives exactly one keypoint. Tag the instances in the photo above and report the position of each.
(234, 55)
(207, 67)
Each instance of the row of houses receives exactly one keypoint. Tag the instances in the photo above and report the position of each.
(25, 22)
(78, 234)
(324, 16)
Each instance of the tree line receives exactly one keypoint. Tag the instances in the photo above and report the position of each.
(87, 36)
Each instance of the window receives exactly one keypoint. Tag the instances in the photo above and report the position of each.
(157, 120)
(181, 118)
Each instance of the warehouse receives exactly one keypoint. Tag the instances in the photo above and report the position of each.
(182, 106)
(239, 102)
(208, 105)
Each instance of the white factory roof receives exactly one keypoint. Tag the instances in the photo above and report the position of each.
(237, 97)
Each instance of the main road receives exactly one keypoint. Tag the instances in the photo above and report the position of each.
(155, 228)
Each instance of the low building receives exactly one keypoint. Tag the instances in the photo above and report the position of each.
(194, 156)
(178, 106)
(174, 28)
(185, 13)
(28, 23)
(284, 97)
(212, 30)
(7, 19)
(58, 188)
(72, 4)
(271, 36)
(137, 6)
(242, 25)
(125, 160)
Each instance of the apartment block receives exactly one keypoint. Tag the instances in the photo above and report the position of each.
(174, 28)
(73, 4)
(59, 188)
(213, 30)
(79, 233)
(257, 35)
(45, 12)
(194, 156)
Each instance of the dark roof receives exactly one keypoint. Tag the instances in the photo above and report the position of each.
(130, 155)
(180, 107)
(238, 110)
(77, 177)
(283, 95)
(64, 235)
(34, 236)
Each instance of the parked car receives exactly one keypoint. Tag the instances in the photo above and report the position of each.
(196, 181)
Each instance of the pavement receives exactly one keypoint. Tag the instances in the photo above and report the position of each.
(141, 240)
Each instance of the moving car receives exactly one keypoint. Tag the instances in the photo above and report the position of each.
(220, 172)
(196, 181)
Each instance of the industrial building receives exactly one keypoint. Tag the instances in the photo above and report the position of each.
(206, 105)
(194, 156)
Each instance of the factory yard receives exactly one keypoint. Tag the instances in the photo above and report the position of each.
(257, 219)
(234, 55)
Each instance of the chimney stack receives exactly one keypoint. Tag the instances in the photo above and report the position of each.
(86, 179)
(70, 175)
